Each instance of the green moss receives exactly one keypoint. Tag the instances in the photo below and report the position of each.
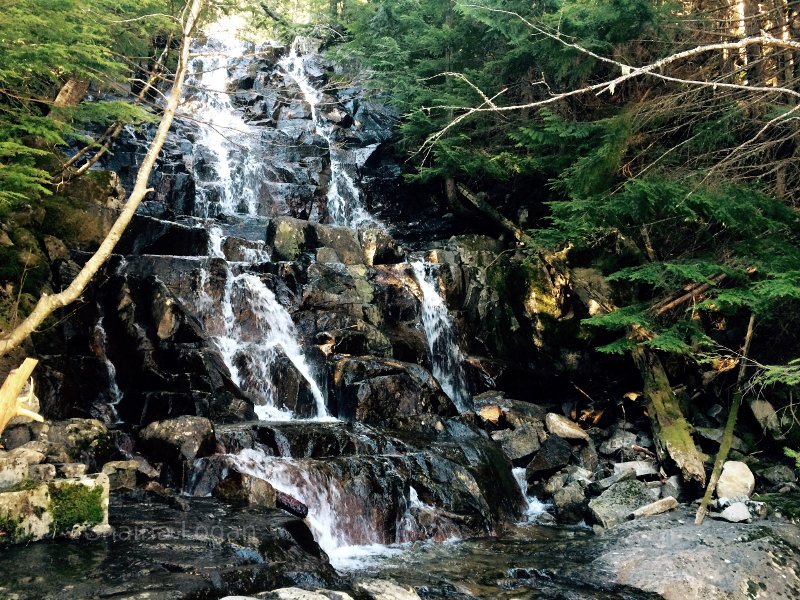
(75, 504)
(27, 484)
(9, 530)
(787, 504)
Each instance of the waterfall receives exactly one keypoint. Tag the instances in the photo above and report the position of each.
(535, 506)
(345, 204)
(254, 331)
(99, 345)
(445, 354)
(343, 533)
(226, 166)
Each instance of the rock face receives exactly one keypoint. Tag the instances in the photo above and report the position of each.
(736, 480)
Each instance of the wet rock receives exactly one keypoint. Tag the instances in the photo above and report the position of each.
(343, 241)
(736, 480)
(736, 513)
(615, 504)
(519, 444)
(245, 490)
(587, 457)
(148, 235)
(570, 503)
(210, 551)
(490, 413)
(673, 487)
(380, 589)
(184, 437)
(384, 391)
(778, 474)
(564, 428)
(289, 238)
(554, 454)
(121, 474)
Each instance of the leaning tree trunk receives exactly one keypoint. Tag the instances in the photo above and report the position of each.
(48, 304)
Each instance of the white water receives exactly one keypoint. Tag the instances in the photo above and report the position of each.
(446, 356)
(100, 340)
(345, 204)
(227, 169)
(252, 337)
(345, 536)
(535, 506)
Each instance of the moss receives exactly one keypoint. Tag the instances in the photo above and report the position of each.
(27, 484)
(75, 504)
(9, 530)
(787, 504)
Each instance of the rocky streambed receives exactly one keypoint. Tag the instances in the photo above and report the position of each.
(285, 368)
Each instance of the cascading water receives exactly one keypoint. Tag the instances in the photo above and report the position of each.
(345, 204)
(535, 506)
(99, 343)
(226, 165)
(255, 331)
(446, 357)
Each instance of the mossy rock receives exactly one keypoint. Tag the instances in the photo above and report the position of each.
(74, 504)
(787, 504)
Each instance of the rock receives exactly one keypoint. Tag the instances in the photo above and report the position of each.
(628, 472)
(736, 480)
(41, 472)
(78, 440)
(121, 474)
(291, 505)
(588, 458)
(570, 503)
(380, 589)
(490, 413)
(736, 513)
(185, 437)
(643, 468)
(778, 474)
(673, 487)
(386, 392)
(59, 508)
(518, 444)
(343, 241)
(245, 490)
(615, 504)
(564, 428)
(70, 470)
(13, 470)
(289, 238)
(554, 454)
(619, 440)
(299, 594)
(655, 508)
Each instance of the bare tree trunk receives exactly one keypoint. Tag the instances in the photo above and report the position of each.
(727, 436)
(47, 304)
(72, 92)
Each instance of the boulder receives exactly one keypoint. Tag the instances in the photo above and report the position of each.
(13, 470)
(519, 444)
(736, 513)
(78, 441)
(185, 437)
(564, 428)
(121, 474)
(44, 472)
(554, 454)
(570, 503)
(343, 241)
(778, 474)
(642, 468)
(380, 589)
(58, 508)
(619, 440)
(381, 391)
(289, 238)
(736, 480)
(245, 490)
(615, 504)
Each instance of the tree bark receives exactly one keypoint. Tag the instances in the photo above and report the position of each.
(72, 92)
(727, 436)
(48, 304)
(10, 405)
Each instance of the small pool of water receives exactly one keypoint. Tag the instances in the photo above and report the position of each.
(525, 562)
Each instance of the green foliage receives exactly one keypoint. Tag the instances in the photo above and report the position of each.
(45, 43)
(794, 454)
